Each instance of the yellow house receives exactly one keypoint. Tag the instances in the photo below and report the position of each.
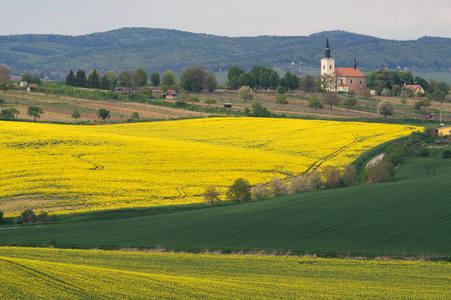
(445, 130)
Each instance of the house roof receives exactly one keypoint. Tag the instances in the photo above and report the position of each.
(348, 72)
(413, 87)
(32, 85)
(443, 127)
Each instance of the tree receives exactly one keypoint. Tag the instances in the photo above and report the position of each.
(385, 108)
(209, 101)
(140, 76)
(259, 192)
(277, 187)
(331, 176)
(103, 113)
(210, 82)
(6, 114)
(168, 79)
(439, 96)
(274, 80)
(76, 115)
(291, 81)
(127, 79)
(350, 102)
(239, 191)
(298, 184)
(366, 94)
(280, 90)
(80, 78)
(135, 115)
(422, 105)
(314, 102)
(112, 78)
(155, 79)
(377, 172)
(245, 93)
(193, 78)
(326, 82)
(314, 181)
(1, 216)
(281, 99)
(264, 80)
(70, 78)
(35, 112)
(331, 99)
(94, 79)
(104, 83)
(308, 83)
(4, 73)
(349, 176)
(211, 196)
(15, 112)
(233, 74)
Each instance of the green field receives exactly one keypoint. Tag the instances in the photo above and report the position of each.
(31, 273)
(409, 216)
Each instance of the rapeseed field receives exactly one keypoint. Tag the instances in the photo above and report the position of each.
(70, 168)
(34, 273)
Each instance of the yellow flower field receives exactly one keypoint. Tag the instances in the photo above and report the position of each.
(36, 273)
(69, 168)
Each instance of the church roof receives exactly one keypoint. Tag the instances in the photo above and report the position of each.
(348, 72)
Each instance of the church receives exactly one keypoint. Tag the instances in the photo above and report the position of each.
(346, 80)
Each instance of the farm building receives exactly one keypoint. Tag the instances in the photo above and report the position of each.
(171, 94)
(445, 130)
(346, 80)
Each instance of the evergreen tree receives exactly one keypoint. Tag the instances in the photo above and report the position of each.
(94, 79)
(104, 83)
(70, 78)
(80, 78)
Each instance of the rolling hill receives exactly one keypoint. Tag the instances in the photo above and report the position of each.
(158, 50)
(409, 216)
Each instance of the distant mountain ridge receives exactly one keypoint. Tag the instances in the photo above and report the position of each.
(158, 50)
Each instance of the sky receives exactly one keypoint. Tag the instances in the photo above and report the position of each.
(389, 19)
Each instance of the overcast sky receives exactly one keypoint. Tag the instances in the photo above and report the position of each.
(391, 19)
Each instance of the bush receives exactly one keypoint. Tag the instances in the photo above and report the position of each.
(259, 192)
(299, 184)
(332, 176)
(181, 104)
(1, 216)
(377, 172)
(211, 195)
(349, 176)
(44, 217)
(27, 216)
(277, 187)
(423, 152)
(314, 181)
(446, 153)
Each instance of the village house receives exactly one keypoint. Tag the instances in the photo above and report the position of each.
(416, 88)
(31, 87)
(346, 80)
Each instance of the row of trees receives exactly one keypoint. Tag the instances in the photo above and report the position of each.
(267, 78)
(390, 83)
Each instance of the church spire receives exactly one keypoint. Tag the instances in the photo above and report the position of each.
(327, 48)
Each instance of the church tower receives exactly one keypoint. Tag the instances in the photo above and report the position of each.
(327, 63)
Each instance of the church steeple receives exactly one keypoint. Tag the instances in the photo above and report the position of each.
(327, 48)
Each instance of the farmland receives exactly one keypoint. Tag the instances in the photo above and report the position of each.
(74, 274)
(69, 168)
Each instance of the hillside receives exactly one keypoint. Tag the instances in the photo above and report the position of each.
(158, 50)
(410, 216)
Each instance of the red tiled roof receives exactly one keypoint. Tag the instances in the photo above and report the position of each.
(348, 72)
(413, 87)
(32, 85)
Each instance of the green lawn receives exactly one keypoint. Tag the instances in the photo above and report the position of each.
(410, 216)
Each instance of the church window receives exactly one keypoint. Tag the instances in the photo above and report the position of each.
(360, 82)
(330, 67)
(324, 67)
(351, 80)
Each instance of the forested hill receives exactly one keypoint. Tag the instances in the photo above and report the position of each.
(158, 50)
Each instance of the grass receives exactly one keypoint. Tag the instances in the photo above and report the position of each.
(74, 274)
(409, 216)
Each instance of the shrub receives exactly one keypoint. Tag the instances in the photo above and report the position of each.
(423, 152)
(277, 187)
(239, 191)
(299, 184)
(181, 104)
(1, 216)
(259, 192)
(377, 172)
(314, 181)
(446, 153)
(331, 176)
(27, 216)
(349, 176)
(43, 217)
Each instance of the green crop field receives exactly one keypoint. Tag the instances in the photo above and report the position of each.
(31, 273)
(409, 216)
